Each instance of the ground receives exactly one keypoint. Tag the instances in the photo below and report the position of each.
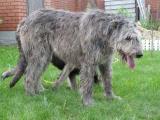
(140, 90)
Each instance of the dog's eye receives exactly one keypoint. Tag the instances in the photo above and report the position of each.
(128, 38)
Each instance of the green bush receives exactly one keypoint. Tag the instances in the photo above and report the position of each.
(150, 24)
(124, 12)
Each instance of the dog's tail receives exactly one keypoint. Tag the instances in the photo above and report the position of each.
(8, 73)
(21, 65)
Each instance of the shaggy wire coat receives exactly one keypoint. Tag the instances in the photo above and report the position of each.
(82, 40)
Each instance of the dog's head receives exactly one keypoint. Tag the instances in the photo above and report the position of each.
(128, 44)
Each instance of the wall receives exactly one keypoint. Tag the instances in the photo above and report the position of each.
(74, 5)
(155, 8)
(11, 11)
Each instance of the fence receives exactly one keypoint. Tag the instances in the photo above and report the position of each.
(150, 40)
(114, 5)
(149, 45)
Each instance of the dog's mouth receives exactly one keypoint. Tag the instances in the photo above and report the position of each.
(129, 59)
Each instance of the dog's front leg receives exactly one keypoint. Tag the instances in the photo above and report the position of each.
(87, 77)
(106, 73)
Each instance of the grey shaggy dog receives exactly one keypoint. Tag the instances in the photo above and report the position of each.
(82, 40)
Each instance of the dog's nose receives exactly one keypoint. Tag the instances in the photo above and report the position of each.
(139, 55)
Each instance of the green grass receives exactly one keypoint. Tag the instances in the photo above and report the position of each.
(140, 90)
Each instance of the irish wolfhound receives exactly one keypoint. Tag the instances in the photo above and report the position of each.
(81, 40)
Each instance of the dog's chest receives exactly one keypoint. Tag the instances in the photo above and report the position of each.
(104, 55)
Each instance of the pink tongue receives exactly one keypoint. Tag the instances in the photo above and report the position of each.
(130, 62)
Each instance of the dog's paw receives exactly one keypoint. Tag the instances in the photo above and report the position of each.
(88, 102)
(113, 97)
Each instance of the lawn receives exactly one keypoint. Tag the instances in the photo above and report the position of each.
(139, 89)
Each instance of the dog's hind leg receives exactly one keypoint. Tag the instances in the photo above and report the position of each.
(72, 81)
(35, 68)
(64, 74)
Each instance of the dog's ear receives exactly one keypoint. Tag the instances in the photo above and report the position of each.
(110, 28)
(114, 24)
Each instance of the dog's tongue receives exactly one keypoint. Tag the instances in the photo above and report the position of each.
(130, 62)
